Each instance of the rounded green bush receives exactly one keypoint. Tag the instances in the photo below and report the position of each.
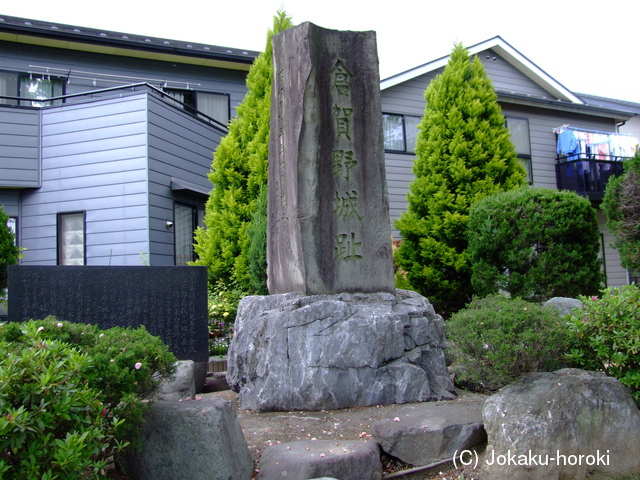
(52, 423)
(495, 340)
(535, 243)
(607, 335)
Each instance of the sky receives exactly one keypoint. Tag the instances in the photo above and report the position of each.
(591, 48)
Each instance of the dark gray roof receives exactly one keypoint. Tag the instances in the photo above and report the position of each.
(611, 103)
(123, 40)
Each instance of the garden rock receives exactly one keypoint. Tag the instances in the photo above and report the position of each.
(422, 434)
(192, 440)
(182, 385)
(564, 424)
(346, 460)
(296, 352)
(563, 305)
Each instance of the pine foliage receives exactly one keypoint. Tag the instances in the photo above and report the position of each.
(463, 153)
(238, 172)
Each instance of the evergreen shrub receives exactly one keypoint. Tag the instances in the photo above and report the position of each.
(9, 252)
(534, 243)
(607, 335)
(496, 339)
(53, 424)
(224, 298)
(621, 205)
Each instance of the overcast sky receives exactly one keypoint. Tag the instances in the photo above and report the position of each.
(588, 47)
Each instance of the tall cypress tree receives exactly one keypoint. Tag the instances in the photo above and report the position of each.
(239, 170)
(463, 153)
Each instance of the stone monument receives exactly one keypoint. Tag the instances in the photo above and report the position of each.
(328, 221)
(334, 333)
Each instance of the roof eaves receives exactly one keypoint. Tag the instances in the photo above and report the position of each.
(70, 33)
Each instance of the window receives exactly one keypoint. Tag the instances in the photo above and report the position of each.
(39, 87)
(12, 223)
(185, 221)
(214, 105)
(519, 130)
(400, 132)
(71, 238)
(8, 87)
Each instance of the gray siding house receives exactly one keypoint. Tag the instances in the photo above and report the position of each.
(106, 140)
(537, 109)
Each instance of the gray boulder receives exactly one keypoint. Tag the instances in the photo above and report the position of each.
(191, 440)
(181, 386)
(563, 305)
(346, 460)
(561, 425)
(425, 433)
(295, 352)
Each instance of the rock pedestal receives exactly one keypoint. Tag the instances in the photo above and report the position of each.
(296, 352)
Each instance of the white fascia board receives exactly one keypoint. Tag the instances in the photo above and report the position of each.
(506, 51)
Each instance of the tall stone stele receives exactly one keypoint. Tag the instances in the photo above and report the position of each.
(328, 214)
(334, 333)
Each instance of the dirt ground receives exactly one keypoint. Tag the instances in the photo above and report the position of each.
(264, 429)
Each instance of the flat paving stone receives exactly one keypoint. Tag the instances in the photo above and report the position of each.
(346, 460)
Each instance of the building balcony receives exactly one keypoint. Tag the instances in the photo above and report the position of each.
(587, 177)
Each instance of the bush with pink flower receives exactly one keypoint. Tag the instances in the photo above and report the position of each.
(125, 367)
(607, 335)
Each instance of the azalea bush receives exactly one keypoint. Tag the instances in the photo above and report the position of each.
(53, 424)
(607, 335)
(496, 339)
(126, 366)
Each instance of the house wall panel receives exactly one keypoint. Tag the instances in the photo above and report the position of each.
(180, 146)
(94, 159)
(20, 152)
(92, 71)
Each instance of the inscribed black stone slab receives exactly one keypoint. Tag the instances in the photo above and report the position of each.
(171, 302)
(328, 214)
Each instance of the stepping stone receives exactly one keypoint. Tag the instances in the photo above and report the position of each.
(346, 460)
(425, 433)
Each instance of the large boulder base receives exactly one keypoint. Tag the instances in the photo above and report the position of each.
(346, 460)
(296, 352)
(191, 440)
(560, 425)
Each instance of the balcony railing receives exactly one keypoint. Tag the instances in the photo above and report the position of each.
(587, 177)
(11, 101)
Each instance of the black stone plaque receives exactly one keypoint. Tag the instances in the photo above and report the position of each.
(171, 302)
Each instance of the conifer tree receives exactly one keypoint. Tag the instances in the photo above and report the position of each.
(463, 153)
(239, 170)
